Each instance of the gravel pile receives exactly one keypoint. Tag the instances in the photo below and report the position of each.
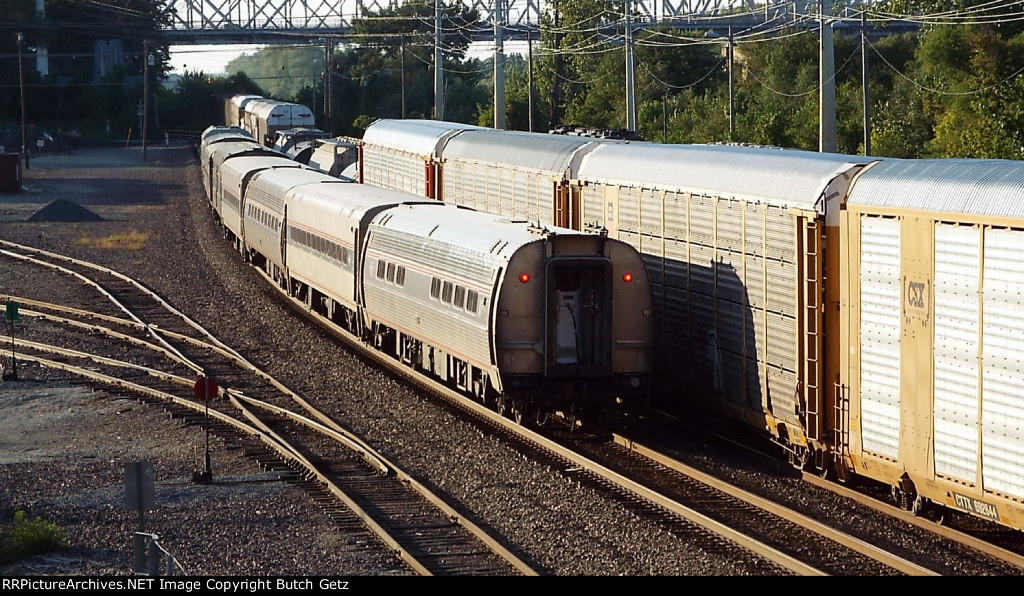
(64, 210)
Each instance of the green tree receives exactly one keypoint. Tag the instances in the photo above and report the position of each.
(517, 97)
(981, 98)
(573, 38)
(394, 60)
(197, 100)
(71, 96)
(672, 63)
(282, 71)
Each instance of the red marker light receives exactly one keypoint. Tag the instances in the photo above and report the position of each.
(524, 277)
(627, 277)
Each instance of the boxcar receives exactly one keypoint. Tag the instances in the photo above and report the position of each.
(933, 383)
(734, 239)
(402, 154)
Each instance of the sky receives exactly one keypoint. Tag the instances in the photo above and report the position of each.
(212, 59)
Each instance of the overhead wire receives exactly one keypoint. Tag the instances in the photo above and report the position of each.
(922, 87)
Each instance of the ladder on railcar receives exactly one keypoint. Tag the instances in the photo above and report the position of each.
(813, 290)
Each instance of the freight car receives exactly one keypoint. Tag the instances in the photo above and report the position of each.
(732, 238)
(860, 311)
(402, 154)
(931, 395)
(234, 109)
(265, 117)
(528, 318)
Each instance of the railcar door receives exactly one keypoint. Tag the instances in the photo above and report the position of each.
(578, 322)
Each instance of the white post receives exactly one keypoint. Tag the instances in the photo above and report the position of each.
(827, 104)
(499, 69)
(630, 82)
(438, 65)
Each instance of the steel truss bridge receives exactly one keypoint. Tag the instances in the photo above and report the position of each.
(276, 21)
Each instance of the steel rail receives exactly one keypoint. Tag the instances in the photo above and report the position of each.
(432, 497)
(746, 542)
(855, 544)
(989, 549)
(256, 429)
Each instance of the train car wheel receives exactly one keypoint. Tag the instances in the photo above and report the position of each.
(501, 404)
(520, 409)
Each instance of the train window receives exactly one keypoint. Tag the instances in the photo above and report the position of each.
(568, 279)
(344, 256)
(400, 275)
(471, 300)
(460, 296)
(446, 292)
(391, 272)
(381, 265)
(435, 288)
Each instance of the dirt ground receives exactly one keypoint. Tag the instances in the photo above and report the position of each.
(64, 448)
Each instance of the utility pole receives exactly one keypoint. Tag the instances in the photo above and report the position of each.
(827, 102)
(148, 58)
(21, 84)
(732, 93)
(499, 70)
(438, 65)
(529, 73)
(864, 81)
(328, 100)
(312, 83)
(401, 42)
(630, 82)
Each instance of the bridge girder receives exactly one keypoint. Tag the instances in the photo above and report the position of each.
(265, 21)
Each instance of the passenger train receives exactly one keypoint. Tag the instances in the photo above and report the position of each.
(861, 312)
(531, 319)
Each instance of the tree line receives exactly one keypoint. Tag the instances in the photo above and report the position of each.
(953, 88)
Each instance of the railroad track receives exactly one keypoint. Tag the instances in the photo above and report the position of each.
(695, 505)
(702, 510)
(127, 339)
(689, 516)
(992, 549)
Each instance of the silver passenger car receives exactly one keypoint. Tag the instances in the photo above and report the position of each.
(263, 221)
(543, 318)
(235, 175)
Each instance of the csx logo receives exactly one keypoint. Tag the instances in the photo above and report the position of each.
(916, 294)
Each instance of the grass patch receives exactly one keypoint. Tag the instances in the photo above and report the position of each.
(127, 241)
(26, 536)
